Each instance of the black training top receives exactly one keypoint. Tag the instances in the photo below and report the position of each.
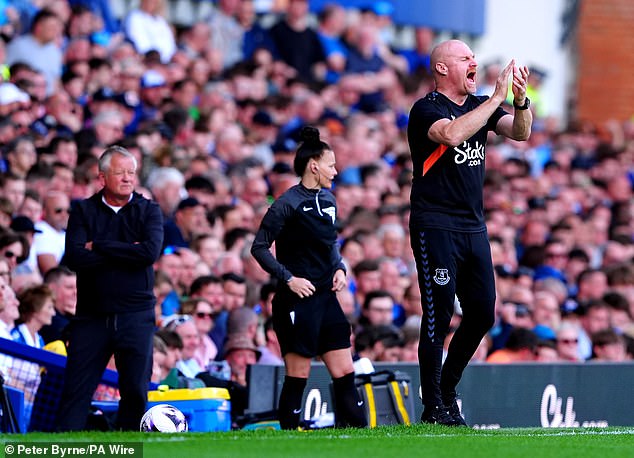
(116, 276)
(302, 225)
(447, 185)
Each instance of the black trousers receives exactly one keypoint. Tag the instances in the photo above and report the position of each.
(93, 340)
(451, 264)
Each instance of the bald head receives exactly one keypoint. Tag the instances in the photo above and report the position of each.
(446, 51)
(454, 67)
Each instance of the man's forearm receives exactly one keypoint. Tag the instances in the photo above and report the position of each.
(522, 121)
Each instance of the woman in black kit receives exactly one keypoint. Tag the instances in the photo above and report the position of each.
(307, 316)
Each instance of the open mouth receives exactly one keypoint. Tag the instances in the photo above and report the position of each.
(471, 77)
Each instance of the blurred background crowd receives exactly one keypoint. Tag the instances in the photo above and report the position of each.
(212, 111)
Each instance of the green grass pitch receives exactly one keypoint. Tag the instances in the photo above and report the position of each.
(417, 440)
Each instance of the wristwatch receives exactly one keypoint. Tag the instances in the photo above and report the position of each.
(527, 103)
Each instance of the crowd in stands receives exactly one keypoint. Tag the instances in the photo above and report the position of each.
(212, 110)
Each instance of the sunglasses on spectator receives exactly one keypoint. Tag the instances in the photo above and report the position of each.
(556, 255)
(10, 254)
(202, 315)
(173, 322)
(568, 341)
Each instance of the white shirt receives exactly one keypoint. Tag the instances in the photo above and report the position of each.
(50, 241)
(6, 361)
(148, 32)
(189, 368)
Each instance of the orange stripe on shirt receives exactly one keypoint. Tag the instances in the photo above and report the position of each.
(431, 160)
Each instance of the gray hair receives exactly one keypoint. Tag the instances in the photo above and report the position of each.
(240, 319)
(106, 157)
(390, 227)
(161, 176)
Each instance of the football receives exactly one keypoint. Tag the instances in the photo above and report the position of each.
(164, 418)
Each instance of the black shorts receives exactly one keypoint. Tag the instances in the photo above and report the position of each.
(310, 326)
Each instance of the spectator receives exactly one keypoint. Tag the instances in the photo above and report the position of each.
(608, 345)
(188, 366)
(159, 355)
(189, 271)
(13, 187)
(208, 247)
(620, 314)
(234, 293)
(49, 243)
(271, 352)
(378, 309)
(388, 344)
(568, 342)
(24, 226)
(174, 348)
(240, 352)
(40, 48)
(367, 278)
(189, 221)
(31, 206)
(9, 313)
(36, 310)
(592, 284)
(593, 317)
(418, 56)
(256, 37)
(210, 288)
(370, 74)
(332, 24)
(546, 351)
(202, 189)
(63, 283)
(153, 90)
(167, 187)
(546, 314)
(521, 346)
(12, 248)
(227, 33)
(167, 299)
(243, 320)
(148, 30)
(194, 39)
(297, 44)
(203, 316)
(21, 156)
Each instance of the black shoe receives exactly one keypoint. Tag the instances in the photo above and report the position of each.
(455, 414)
(437, 415)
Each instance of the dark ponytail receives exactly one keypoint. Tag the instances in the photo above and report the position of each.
(311, 147)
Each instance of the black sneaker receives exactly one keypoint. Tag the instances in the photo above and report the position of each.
(455, 414)
(437, 415)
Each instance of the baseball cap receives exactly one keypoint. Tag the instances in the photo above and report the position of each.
(151, 79)
(188, 202)
(382, 8)
(285, 145)
(262, 118)
(125, 99)
(24, 224)
(10, 93)
(103, 94)
(281, 167)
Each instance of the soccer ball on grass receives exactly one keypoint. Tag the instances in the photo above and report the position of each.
(164, 418)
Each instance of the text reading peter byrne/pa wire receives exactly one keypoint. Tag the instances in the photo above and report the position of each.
(73, 449)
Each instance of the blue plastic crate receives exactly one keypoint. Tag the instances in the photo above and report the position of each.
(206, 409)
